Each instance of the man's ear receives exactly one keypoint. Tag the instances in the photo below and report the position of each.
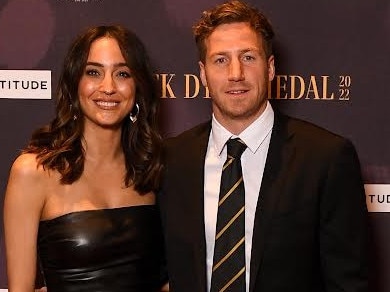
(271, 68)
(202, 73)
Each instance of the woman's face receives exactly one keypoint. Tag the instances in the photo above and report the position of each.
(107, 88)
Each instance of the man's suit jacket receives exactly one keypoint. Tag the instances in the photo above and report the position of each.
(310, 231)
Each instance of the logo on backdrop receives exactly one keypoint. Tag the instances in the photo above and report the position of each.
(283, 87)
(378, 197)
(25, 84)
(323, 87)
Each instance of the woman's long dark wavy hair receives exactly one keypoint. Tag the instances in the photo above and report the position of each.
(58, 145)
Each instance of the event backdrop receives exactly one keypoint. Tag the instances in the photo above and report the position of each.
(333, 69)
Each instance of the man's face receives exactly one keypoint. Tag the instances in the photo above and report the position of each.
(236, 71)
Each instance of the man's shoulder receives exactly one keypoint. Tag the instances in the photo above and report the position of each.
(307, 134)
(189, 136)
(305, 128)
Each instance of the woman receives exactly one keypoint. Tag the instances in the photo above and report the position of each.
(81, 193)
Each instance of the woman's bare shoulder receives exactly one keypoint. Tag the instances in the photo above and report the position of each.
(26, 166)
(27, 186)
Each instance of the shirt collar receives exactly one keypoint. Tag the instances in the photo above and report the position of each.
(253, 136)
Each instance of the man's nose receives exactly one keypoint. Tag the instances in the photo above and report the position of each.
(236, 72)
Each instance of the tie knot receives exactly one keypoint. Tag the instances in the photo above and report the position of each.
(235, 147)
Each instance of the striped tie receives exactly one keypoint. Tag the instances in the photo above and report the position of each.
(229, 253)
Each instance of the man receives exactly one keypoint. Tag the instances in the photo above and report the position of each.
(305, 212)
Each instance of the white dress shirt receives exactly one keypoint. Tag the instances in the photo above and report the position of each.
(257, 137)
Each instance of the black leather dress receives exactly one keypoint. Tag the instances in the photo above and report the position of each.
(108, 250)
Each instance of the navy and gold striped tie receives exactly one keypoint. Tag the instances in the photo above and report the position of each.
(228, 272)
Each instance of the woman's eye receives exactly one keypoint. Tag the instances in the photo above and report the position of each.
(124, 74)
(91, 72)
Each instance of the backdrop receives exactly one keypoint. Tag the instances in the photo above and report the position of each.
(332, 69)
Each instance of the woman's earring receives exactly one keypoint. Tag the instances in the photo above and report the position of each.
(134, 116)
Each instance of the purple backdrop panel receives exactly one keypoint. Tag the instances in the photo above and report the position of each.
(332, 69)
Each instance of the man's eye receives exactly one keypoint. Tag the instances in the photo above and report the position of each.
(249, 58)
(220, 60)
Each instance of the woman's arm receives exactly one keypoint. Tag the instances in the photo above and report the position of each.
(24, 199)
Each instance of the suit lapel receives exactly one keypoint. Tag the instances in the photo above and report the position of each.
(278, 156)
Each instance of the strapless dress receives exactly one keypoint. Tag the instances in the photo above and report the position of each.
(107, 250)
